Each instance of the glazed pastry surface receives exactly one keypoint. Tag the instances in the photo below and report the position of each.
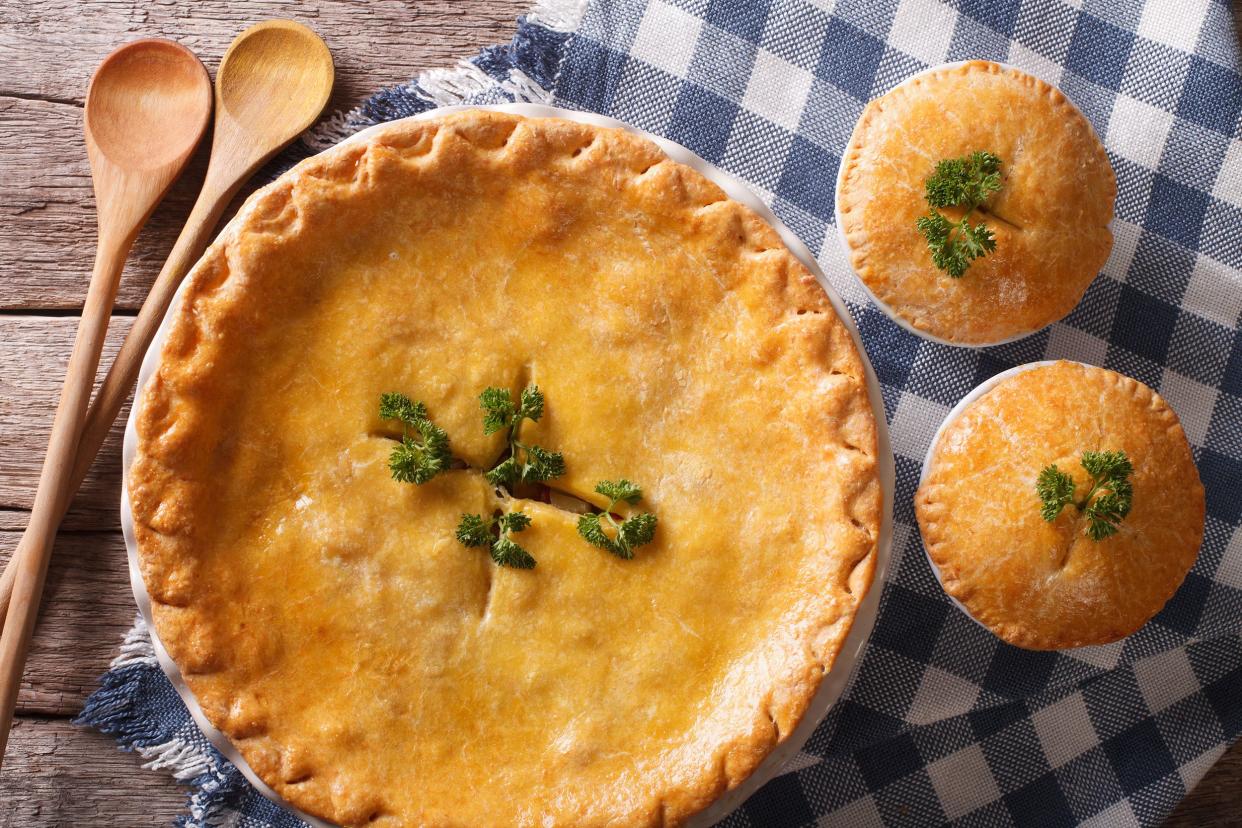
(369, 667)
(1045, 585)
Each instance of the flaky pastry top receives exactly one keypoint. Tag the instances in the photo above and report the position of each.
(366, 665)
(1047, 585)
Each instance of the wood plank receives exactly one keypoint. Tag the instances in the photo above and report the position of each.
(1216, 801)
(46, 206)
(47, 212)
(33, 354)
(87, 608)
(58, 774)
(48, 50)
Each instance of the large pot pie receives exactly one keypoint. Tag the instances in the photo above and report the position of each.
(366, 665)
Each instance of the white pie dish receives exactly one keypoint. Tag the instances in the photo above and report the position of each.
(832, 686)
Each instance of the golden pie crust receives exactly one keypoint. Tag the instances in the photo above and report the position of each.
(370, 668)
(1050, 218)
(1042, 585)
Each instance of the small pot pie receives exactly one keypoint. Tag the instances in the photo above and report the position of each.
(1048, 219)
(1062, 507)
(369, 667)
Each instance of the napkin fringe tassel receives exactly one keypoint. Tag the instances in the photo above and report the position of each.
(514, 68)
(215, 784)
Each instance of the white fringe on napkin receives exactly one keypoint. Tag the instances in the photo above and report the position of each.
(459, 83)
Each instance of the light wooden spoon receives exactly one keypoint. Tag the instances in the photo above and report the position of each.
(272, 84)
(146, 110)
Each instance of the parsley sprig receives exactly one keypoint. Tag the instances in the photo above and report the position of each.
(419, 456)
(965, 182)
(621, 538)
(524, 463)
(423, 452)
(1106, 503)
(495, 534)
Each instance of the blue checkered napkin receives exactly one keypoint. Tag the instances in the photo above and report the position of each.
(942, 722)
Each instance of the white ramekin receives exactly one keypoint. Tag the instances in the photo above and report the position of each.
(966, 401)
(845, 245)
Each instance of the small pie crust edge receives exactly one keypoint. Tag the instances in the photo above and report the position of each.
(962, 329)
(934, 505)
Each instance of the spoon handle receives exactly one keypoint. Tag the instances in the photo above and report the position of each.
(119, 382)
(121, 377)
(57, 468)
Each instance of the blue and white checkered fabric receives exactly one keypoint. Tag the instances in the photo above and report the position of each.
(942, 722)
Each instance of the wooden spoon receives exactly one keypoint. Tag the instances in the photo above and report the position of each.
(146, 110)
(272, 84)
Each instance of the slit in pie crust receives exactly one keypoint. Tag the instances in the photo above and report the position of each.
(1046, 585)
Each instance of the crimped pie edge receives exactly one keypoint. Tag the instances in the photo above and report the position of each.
(156, 518)
(853, 235)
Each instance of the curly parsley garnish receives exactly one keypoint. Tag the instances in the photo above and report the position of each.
(474, 531)
(1106, 503)
(524, 463)
(419, 456)
(423, 452)
(620, 538)
(965, 182)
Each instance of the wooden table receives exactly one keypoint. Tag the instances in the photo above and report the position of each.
(57, 774)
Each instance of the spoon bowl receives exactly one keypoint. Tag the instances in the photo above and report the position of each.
(263, 64)
(272, 83)
(137, 125)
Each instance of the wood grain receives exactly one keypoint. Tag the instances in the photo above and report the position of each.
(1216, 801)
(33, 353)
(58, 774)
(87, 608)
(48, 49)
(137, 145)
